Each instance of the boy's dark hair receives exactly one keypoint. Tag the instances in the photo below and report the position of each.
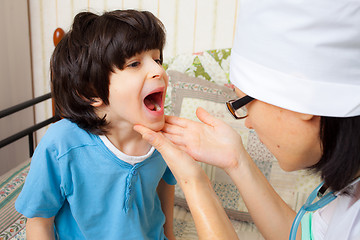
(83, 60)
(340, 162)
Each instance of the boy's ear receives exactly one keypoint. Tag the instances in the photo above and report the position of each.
(96, 102)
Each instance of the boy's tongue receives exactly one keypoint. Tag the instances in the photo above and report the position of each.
(150, 104)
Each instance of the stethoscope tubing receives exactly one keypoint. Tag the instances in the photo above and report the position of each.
(310, 207)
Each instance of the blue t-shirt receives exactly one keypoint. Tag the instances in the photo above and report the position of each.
(93, 194)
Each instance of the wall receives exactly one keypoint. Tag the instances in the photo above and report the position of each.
(192, 26)
(15, 78)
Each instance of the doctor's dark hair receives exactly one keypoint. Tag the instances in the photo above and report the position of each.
(85, 57)
(340, 162)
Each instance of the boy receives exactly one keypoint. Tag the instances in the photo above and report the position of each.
(92, 176)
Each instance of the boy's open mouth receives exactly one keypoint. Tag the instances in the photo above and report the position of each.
(153, 101)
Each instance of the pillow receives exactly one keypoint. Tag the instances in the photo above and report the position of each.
(203, 80)
(188, 93)
(212, 65)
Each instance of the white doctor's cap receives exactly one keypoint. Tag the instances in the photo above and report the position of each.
(300, 55)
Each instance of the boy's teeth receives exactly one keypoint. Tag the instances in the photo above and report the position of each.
(157, 107)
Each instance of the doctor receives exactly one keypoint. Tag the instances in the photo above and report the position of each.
(296, 70)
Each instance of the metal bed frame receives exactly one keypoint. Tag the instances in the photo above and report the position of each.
(28, 131)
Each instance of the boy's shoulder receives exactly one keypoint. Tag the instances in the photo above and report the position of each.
(64, 126)
(68, 133)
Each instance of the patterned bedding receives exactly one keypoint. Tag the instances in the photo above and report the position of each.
(12, 223)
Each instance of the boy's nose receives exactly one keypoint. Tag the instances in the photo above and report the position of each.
(155, 74)
(156, 71)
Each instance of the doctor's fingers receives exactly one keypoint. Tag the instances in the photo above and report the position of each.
(178, 140)
(170, 152)
(178, 121)
(182, 126)
(156, 139)
(189, 137)
(205, 117)
(173, 129)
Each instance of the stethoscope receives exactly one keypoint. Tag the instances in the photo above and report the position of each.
(309, 206)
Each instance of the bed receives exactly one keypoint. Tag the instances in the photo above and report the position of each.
(198, 79)
(12, 223)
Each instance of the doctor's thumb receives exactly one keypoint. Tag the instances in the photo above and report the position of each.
(153, 138)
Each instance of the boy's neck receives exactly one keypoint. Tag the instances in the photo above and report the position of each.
(129, 142)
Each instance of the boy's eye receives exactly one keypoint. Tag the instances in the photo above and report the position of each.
(158, 61)
(134, 64)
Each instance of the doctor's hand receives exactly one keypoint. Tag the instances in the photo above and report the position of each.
(182, 165)
(212, 141)
(211, 220)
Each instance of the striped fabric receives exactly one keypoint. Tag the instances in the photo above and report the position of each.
(11, 183)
